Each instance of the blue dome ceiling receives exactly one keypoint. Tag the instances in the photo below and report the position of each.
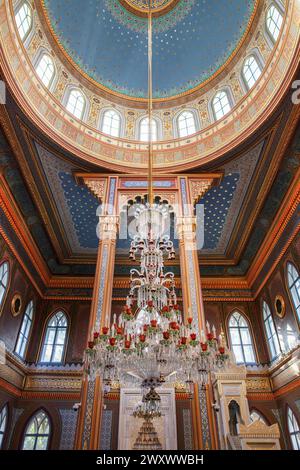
(109, 43)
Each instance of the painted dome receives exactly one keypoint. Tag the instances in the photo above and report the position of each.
(107, 39)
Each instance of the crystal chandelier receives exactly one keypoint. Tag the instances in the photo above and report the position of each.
(150, 283)
(151, 342)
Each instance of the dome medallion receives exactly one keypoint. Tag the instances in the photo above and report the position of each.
(141, 7)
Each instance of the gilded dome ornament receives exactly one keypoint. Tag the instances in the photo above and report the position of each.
(141, 7)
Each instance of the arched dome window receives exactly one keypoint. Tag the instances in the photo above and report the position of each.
(45, 69)
(293, 279)
(4, 275)
(76, 103)
(293, 429)
(55, 339)
(256, 416)
(274, 22)
(25, 331)
(24, 20)
(251, 71)
(144, 133)
(3, 423)
(37, 433)
(186, 124)
(111, 123)
(271, 332)
(241, 340)
(220, 104)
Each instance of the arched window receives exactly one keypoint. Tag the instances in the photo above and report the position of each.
(186, 124)
(4, 275)
(45, 69)
(274, 22)
(220, 104)
(37, 432)
(25, 330)
(24, 20)
(256, 416)
(271, 332)
(145, 130)
(241, 340)
(3, 423)
(293, 429)
(76, 103)
(111, 123)
(294, 286)
(251, 71)
(290, 337)
(55, 339)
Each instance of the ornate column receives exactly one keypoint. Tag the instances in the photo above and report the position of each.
(89, 421)
(193, 189)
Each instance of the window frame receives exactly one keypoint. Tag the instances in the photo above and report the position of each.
(193, 113)
(41, 53)
(29, 332)
(16, 12)
(6, 288)
(102, 119)
(265, 319)
(228, 94)
(249, 327)
(63, 356)
(260, 67)
(6, 418)
(290, 295)
(158, 130)
(28, 423)
(281, 11)
(69, 92)
(297, 432)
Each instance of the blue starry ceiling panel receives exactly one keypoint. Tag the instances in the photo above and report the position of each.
(190, 42)
(217, 203)
(83, 209)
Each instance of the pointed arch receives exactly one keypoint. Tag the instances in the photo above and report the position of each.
(270, 331)
(293, 427)
(37, 432)
(241, 338)
(4, 279)
(25, 330)
(55, 339)
(293, 282)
